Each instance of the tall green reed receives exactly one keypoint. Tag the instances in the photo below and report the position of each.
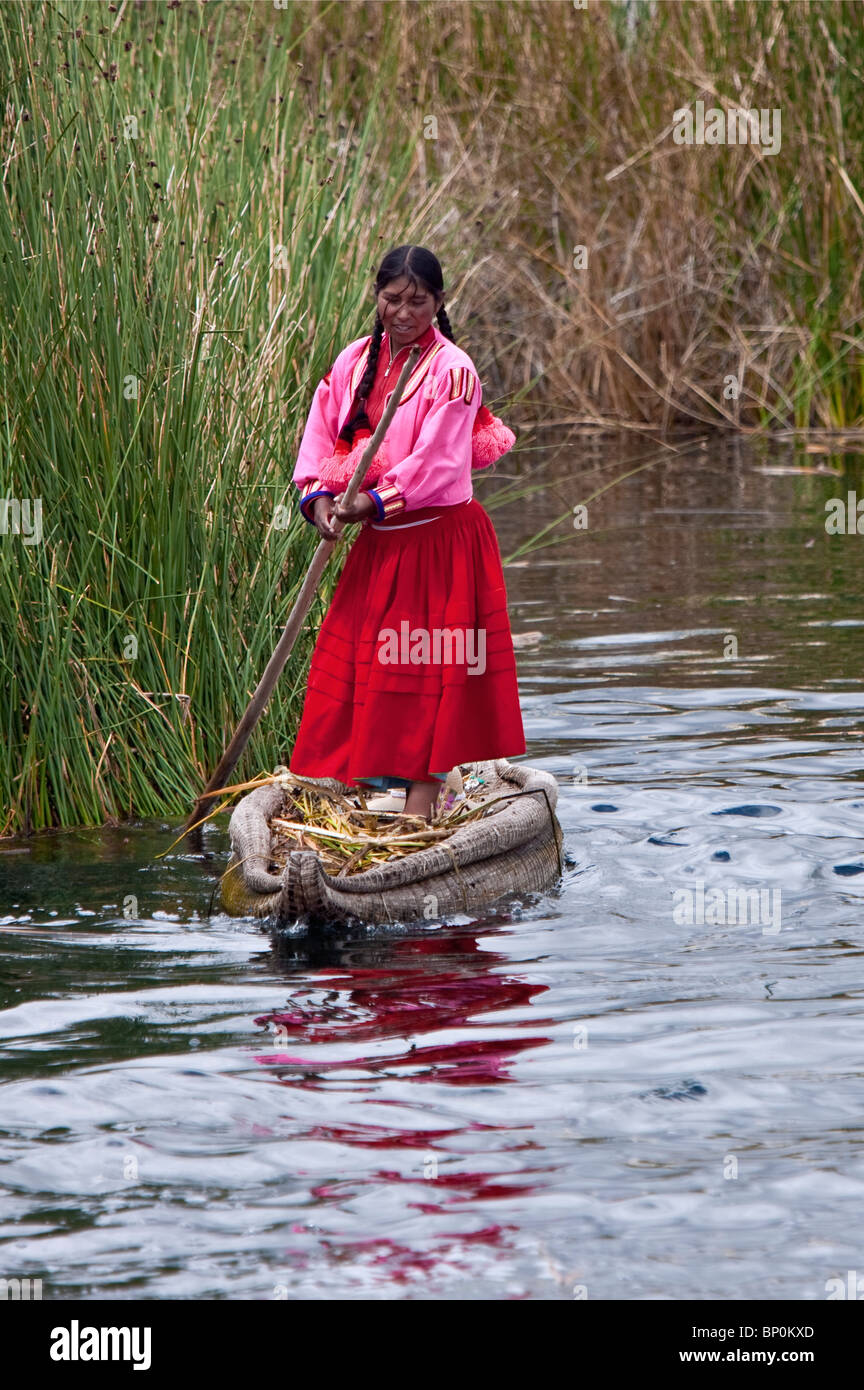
(184, 248)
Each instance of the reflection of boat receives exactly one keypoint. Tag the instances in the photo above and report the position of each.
(514, 848)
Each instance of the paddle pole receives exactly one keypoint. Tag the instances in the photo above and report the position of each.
(298, 613)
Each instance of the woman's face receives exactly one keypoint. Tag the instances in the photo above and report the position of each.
(406, 309)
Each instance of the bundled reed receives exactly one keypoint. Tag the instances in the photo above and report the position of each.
(351, 839)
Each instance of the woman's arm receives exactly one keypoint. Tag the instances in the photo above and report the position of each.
(442, 450)
(319, 438)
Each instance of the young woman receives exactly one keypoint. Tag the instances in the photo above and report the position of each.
(413, 671)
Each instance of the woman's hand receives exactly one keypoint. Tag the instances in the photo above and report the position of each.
(323, 510)
(360, 508)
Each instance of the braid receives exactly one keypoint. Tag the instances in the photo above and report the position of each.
(374, 348)
(444, 324)
(357, 417)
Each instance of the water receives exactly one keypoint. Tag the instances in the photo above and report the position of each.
(602, 1092)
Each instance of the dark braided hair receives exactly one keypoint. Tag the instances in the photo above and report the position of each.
(421, 268)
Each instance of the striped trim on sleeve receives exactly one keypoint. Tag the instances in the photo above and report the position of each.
(308, 493)
(388, 501)
(462, 383)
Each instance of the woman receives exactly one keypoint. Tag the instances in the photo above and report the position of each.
(413, 671)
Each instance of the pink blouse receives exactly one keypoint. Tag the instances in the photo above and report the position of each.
(428, 445)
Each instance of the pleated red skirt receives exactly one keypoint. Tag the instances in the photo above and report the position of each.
(414, 670)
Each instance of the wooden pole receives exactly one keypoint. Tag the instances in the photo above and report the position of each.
(296, 617)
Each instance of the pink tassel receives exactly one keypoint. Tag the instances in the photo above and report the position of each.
(338, 469)
(490, 442)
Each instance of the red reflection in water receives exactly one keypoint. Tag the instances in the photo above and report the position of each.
(476, 1185)
(401, 1262)
(380, 1137)
(406, 1003)
(412, 997)
(431, 985)
(458, 1063)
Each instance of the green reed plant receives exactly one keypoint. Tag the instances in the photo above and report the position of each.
(184, 247)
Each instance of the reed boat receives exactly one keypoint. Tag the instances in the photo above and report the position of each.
(513, 846)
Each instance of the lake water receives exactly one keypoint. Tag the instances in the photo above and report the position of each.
(646, 1084)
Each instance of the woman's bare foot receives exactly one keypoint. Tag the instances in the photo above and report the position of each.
(421, 798)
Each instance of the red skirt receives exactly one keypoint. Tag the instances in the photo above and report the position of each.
(413, 671)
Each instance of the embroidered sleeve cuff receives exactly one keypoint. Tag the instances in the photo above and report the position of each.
(388, 501)
(308, 494)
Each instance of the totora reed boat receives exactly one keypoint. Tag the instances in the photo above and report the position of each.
(511, 846)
